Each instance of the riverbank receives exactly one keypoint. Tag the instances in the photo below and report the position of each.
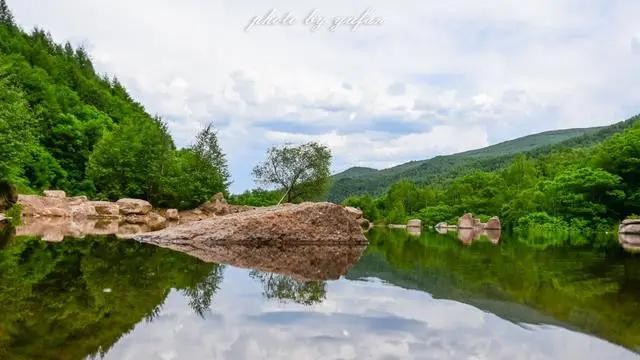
(55, 216)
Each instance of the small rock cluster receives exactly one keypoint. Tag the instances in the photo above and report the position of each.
(134, 215)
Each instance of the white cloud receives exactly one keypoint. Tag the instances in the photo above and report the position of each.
(501, 68)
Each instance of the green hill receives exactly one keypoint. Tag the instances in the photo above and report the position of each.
(65, 126)
(359, 181)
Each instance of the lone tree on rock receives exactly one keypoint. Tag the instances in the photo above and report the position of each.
(302, 172)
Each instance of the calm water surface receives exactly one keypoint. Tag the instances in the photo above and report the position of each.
(427, 297)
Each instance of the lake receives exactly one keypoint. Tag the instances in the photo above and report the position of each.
(430, 297)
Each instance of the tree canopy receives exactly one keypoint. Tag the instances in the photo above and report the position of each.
(64, 126)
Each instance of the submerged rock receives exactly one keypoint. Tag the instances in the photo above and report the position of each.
(302, 224)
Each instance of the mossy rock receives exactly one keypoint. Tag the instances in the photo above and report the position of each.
(8, 195)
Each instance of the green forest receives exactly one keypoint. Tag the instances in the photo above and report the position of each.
(588, 183)
(64, 126)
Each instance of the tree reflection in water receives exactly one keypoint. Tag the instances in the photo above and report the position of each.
(201, 294)
(77, 298)
(285, 288)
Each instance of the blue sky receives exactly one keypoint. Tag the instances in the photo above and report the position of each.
(436, 77)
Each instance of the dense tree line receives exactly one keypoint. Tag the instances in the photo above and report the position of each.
(570, 189)
(442, 169)
(64, 126)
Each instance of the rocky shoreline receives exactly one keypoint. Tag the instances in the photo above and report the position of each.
(54, 216)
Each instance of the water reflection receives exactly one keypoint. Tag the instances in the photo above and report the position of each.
(305, 262)
(77, 298)
(285, 288)
(630, 242)
(404, 297)
(592, 289)
(356, 320)
(57, 228)
(468, 236)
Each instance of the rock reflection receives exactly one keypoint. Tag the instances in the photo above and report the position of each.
(468, 236)
(303, 263)
(57, 228)
(630, 242)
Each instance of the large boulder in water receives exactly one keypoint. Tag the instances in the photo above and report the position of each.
(8, 195)
(302, 224)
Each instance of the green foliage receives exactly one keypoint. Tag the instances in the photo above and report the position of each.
(557, 285)
(16, 130)
(256, 197)
(8, 195)
(53, 300)
(368, 205)
(432, 215)
(397, 214)
(15, 213)
(207, 148)
(541, 221)
(131, 161)
(620, 155)
(301, 172)
(64, 126)
(573, 191)
(6, 17)
(442, 169)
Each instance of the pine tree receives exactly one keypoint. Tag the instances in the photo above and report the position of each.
(6, 17)
(208, 148)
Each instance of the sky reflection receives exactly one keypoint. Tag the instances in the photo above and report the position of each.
(356, 319)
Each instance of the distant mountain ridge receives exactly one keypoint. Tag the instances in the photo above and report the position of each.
(363, 180)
